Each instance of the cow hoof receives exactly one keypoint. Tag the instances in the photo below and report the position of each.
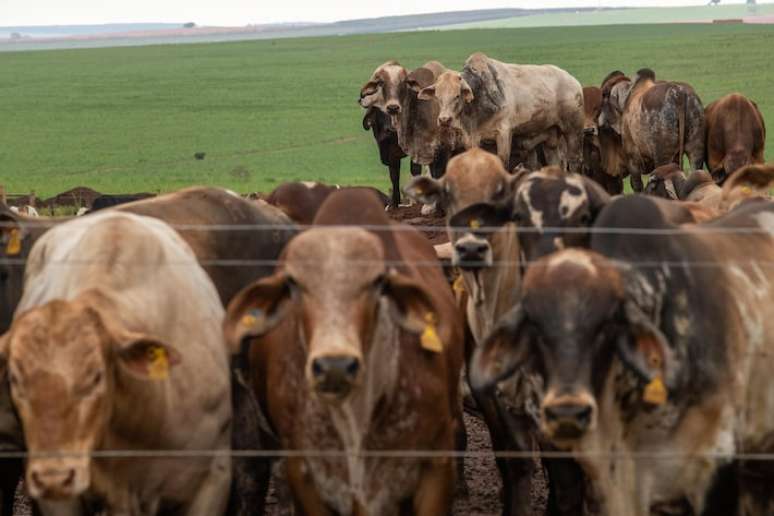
(428, 209)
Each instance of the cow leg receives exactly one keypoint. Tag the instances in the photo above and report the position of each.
(250, 476)
(636, 181)
(416, 169)
(212, 495)
(305, 494)
(504, 146)
(436, 488)
(574, 153)
(395, 180)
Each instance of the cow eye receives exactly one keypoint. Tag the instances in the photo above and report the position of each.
(380, 283)
(89, 386)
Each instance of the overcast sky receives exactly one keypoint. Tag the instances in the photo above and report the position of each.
(242, 12)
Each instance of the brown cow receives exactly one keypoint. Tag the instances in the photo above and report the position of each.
(672, 361)
(117, 314)
(300, 200)
(599, 145)
(656, 122)
(231, 257)
(359, 350)
(736, 135)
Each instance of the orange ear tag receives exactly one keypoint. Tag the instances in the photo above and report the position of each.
(429, 339)
(14, 243)
(158, 363)
(655, 392)
(248, 320)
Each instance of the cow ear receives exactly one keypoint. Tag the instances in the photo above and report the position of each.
(644, 349)
(426, 190)
(256, 310)
(12, 234)
(412, 307)
(749, 179)
(427, 93)
(598, 198)
(502, 351)
(145, 357)
(369, 89)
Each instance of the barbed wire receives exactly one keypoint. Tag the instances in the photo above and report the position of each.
(389, 263)
(692, 230)
(386, 454)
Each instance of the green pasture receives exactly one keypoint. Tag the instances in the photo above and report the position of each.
(131, 119)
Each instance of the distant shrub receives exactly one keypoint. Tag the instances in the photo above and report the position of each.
(189, 25)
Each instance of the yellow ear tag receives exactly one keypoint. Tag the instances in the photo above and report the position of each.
(429, 339)
(158, 363)
(655, 392)
(459, 285)
(474, 223)
(14, 243)
(249, 320)
(746, 190)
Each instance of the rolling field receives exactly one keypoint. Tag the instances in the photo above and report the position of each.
(131, 119)
(623, 16)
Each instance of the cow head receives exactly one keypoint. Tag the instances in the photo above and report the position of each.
(549, 198)
(667, 181)
(452, 93)
(576, 318)
(382, 91)
(733, 161)
(65, 361)
(471, 178)
(615, 92)
(335, 287)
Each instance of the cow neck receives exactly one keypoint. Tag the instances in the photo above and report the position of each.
(353, 418)
(494, 290)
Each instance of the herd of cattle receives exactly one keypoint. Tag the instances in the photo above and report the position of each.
(630, 339)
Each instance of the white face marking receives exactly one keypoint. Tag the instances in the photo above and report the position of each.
(569, 202)
(574, 256)
(535, 216)
(309, 184)
(766, 222)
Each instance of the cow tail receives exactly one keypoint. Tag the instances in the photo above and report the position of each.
(682, 106)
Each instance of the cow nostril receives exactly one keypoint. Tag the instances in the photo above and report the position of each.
(69, 478)
(317, 368)
(481, 249)
(576, 413)
(353, 367)
(393, 109)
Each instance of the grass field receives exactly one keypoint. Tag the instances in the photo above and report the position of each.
(131, 119)
(624, 16)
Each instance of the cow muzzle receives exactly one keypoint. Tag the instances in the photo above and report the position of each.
(334, 376)
(393, 108)
(444, 121)
(57, 479)
(472, 254)
(568, 418)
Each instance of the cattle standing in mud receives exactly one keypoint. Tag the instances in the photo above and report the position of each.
(490, 265)
(656, 122)
(736, 135)
(95, 337)
(359, 350)
(649, 360)
(499, 101)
